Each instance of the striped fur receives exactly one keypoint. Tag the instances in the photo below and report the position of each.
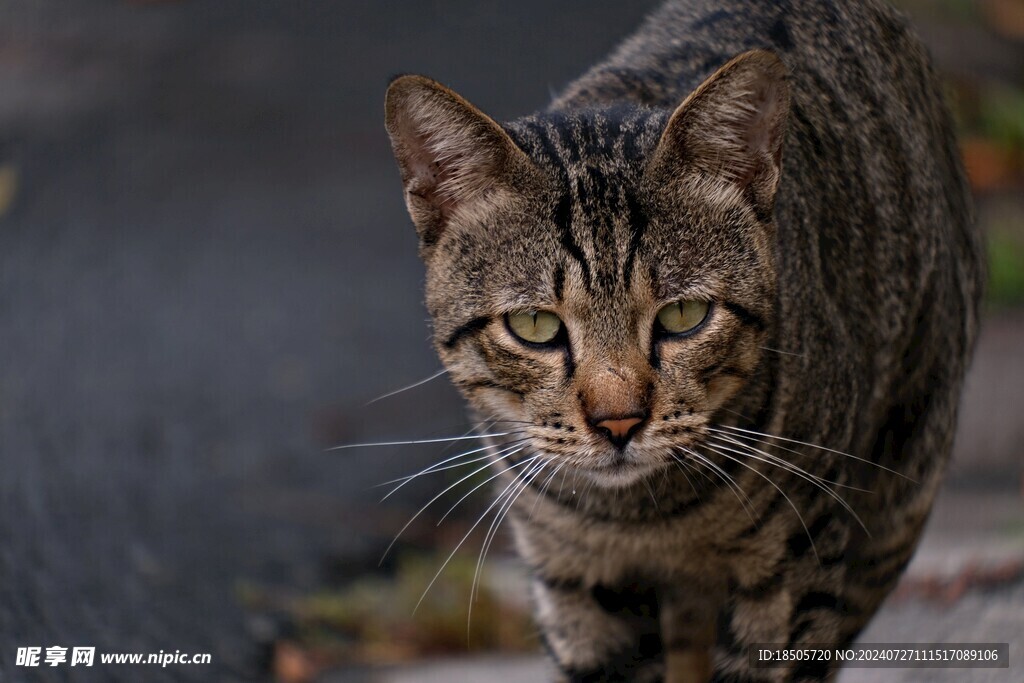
(793, 164)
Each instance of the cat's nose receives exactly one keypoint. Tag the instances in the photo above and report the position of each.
(619, 430)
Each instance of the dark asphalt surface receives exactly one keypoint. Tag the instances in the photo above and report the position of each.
(205, 273)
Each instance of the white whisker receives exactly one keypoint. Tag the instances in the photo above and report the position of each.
(561, 484)
(483, 483)
(429, 503)
(781, 492)
(785, 353)
(468, 533)
(680, 463)
(694, 468)
(800, 473)
(418, 441)
(544, 487)
(437, 466)
(525, 479)
(736, 489)
(781, 462)
(811, 445)
(650, 492)
(407, 387)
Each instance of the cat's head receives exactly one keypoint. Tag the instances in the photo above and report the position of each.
(600, 280)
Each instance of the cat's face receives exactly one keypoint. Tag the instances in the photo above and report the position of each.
(601, 283)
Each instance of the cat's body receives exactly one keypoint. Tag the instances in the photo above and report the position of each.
(845, 322)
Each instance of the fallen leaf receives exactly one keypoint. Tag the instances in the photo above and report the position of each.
(989, 166)
(292, 664)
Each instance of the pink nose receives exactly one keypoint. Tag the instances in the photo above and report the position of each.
(619, 430)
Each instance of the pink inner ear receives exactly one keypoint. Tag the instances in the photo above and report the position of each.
(450, 154)
(429, 178)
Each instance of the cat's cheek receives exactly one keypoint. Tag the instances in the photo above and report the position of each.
(720, 389)
(502, 405)
(679, 377)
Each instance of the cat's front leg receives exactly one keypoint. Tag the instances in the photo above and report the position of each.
(688, 622)
(801, 606)
(600, 633)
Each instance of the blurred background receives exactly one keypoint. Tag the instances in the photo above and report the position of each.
(207, 272)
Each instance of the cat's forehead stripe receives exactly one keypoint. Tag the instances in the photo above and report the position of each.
(558, 281)
(563, 220)
(638, 225)
(596, 157)
(563, 210)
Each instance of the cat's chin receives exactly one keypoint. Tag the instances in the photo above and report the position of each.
(620, 473)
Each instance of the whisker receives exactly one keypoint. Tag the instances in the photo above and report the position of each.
(583, 493)
(782, 462)
(483, 483)
(784, 353)
(468, 533)
(816, 481)
(811, 445)
(407, 387)
(737, 414)
(419, 441)
(480, 427)
(679, 466)
(694, 468)
(529, 476)
(437, 466)
(544, 487)
(650, 491)
(431, 502)
(738, 491)
(781, 492)
(526, 479)
(561, 484)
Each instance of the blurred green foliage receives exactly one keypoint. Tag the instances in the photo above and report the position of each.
(1006, 267)
(1001, 116)
(386, 619)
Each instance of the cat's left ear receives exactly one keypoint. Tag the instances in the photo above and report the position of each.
(731, 129)
(451, 155)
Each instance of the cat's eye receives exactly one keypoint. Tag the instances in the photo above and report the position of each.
(680, 317)
(535, 327)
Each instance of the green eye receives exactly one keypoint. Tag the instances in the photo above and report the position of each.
(536, 327)
(683, 316)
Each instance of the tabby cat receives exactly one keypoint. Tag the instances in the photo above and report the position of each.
(719, 298)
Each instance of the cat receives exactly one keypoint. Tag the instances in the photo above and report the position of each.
(718, 298)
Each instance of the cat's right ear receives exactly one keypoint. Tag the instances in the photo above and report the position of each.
(730, 130)
(451, 155)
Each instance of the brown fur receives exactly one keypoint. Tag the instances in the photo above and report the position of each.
(793, 165)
